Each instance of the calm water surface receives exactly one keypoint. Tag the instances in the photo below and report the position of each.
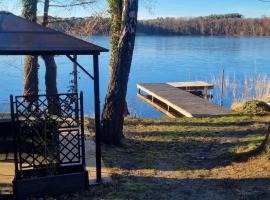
(156, 59)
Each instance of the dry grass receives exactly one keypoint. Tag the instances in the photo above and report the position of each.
(186, 159)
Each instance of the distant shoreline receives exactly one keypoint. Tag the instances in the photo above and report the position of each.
(213, 25)
(164, 35)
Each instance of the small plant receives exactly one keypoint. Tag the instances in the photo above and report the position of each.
(252, 107)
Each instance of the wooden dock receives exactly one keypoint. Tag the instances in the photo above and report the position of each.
(175, 99)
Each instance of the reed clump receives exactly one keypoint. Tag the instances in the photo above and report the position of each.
(238, 91)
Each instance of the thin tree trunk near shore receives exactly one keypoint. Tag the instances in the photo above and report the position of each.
(51, 66)
(51, 84)
(124, 23)
(51, 70)
(30, 83)
(50, 75)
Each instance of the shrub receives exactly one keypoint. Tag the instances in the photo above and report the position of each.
(252, 107)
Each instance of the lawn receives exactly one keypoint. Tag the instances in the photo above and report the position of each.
(186, 159)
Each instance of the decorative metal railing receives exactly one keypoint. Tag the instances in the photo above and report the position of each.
(49, 133)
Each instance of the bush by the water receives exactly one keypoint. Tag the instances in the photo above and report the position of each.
(252, 107)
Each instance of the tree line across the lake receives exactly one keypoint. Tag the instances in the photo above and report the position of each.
(214, 25)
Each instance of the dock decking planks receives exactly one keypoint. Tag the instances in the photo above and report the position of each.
(181, 101)
(198, 85)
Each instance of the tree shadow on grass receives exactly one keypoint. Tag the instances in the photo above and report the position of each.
(196, 123)
(169, 156)
(148, 188)
(201, 133)
(139, 187)
(156, 153)
(179, 150)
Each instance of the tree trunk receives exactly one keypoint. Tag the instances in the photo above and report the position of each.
(126, 111)
(30, 83)
(262, 150)
(121, 58)
(265, 147)
(46, 12)
(51, 70)
(30, 75)
(50, 82)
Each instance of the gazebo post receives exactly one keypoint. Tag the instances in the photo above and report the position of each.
(13, 133)
(97, 118)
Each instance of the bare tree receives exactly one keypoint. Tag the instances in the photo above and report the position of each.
(51, 69)
(30, 84)
(51, 66)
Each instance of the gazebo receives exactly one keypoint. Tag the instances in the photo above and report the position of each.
(21, 37)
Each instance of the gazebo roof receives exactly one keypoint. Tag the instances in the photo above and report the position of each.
(21, 37)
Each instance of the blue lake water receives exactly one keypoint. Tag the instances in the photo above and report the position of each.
(156, 59)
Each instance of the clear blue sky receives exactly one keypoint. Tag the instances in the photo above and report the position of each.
(177, 8)
(168, 8)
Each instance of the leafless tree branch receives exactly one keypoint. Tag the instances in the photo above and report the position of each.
(83, 3)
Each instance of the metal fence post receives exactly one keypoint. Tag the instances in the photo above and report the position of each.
(97, 118)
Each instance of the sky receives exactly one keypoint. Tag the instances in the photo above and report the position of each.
(165, 8)
(189, 8)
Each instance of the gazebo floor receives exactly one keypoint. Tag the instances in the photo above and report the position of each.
(6, 177)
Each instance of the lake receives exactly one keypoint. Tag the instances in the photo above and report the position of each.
(156, 59)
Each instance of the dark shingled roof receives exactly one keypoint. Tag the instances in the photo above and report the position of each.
(21, 37)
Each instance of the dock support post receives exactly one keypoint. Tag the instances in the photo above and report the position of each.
(222, 88)
(205, 93)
